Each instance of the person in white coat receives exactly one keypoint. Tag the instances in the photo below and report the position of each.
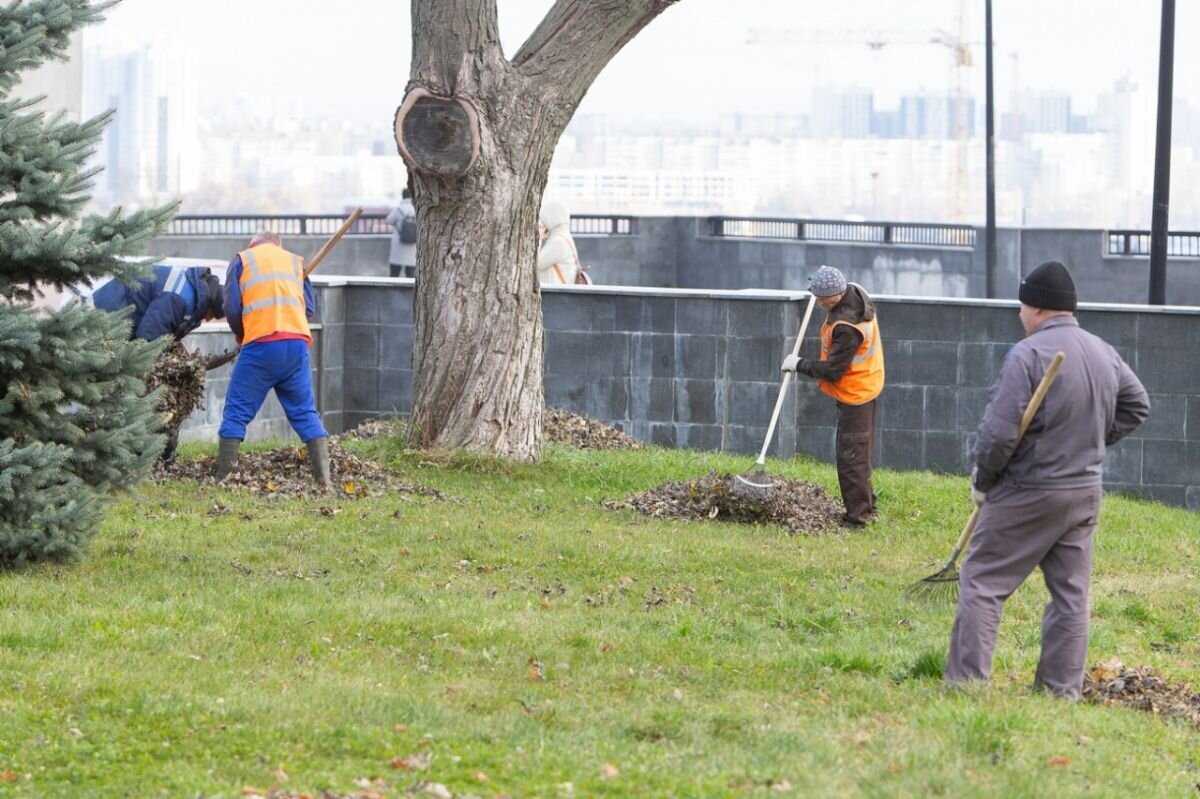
(558, 261)
(402, 257)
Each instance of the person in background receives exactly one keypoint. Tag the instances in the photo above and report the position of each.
(851, 371)
(171, 301)
(558, 262)
(268, 302)
(1039, 497)
(402, 257)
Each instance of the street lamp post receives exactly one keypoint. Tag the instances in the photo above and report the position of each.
(990, 113)
(1162, 159)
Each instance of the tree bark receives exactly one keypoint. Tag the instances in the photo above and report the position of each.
(478, 344)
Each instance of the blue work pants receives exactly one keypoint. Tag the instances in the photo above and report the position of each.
(262, 366)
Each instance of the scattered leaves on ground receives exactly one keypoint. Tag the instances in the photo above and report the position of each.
(581, 432)
(1142, 688)
(285, 472)
(800, 506)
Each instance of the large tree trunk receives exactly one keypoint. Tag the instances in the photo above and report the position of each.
(477, 351)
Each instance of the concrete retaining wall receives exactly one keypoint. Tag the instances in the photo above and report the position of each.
(699, 369)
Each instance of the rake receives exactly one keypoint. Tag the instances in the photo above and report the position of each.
(756, 477)
(941, 587)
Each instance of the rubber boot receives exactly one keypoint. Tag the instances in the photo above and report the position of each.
(227, 453)
(318, 459)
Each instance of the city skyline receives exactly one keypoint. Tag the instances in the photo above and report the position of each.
(697, 51)
(275, 142)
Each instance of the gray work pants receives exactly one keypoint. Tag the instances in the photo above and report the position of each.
(1019, 530)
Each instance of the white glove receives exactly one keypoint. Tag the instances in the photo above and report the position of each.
(977, 496)
(789, 363)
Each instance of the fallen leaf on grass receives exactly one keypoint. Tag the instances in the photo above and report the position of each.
(609, 772)
(417, 762)
(479, 776)
(8, 775)
(435, 789)
(1058, 761)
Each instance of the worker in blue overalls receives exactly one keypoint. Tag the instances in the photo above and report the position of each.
(172, 301)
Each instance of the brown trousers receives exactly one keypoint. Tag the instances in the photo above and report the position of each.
(855, 451)
(1019, 530)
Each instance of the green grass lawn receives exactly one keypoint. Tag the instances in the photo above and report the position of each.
(524, 641)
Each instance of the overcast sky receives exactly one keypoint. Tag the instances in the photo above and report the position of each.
(351, 58)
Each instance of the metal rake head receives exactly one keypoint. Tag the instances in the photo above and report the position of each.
(939, 589)
(757, 479)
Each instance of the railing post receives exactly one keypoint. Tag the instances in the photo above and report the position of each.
(800, 229)
(887, 233)
(303, 227)
(1128, 242)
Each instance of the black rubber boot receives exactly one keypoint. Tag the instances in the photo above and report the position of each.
(318, 459)
(227, 453)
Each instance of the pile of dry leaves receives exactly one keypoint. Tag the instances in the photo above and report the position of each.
(801, 507)
(560, 426)
(181, 373)
(582, 432)
(1141, 688)
(285, 472)
(374, 428)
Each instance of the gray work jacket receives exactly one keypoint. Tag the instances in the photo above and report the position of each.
(1095, 401)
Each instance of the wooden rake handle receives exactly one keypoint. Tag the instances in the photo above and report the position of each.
(787, 379)
(321, 253)
(1031, 410)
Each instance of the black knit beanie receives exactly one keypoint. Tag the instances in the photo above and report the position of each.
(1049, 287)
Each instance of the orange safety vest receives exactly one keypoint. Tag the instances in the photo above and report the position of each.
(863, 381)
(272, 284)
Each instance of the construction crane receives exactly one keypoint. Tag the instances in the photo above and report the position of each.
(877, 40)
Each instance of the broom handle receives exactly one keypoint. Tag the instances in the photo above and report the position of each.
(1026, 419)
(787, 379)
(329, 244)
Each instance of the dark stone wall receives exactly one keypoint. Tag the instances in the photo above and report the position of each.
(699, 369)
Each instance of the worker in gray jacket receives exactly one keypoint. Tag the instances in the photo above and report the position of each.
(1040, 498)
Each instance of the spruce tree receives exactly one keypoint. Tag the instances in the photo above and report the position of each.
(76, 425)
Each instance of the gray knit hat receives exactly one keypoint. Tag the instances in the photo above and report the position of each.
(827, 282)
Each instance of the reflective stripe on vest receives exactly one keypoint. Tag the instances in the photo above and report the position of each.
(863, 380)
(272, 284)
(176, 280)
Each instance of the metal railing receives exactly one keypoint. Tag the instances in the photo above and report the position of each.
(284, 225)
(367, 224)
(1137, 242)
(915, 233)
(604, 225)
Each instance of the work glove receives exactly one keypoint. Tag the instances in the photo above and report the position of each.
(790, 363)
(977, 496)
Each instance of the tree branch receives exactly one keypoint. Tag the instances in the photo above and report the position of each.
(578, 38)
(450, 35)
